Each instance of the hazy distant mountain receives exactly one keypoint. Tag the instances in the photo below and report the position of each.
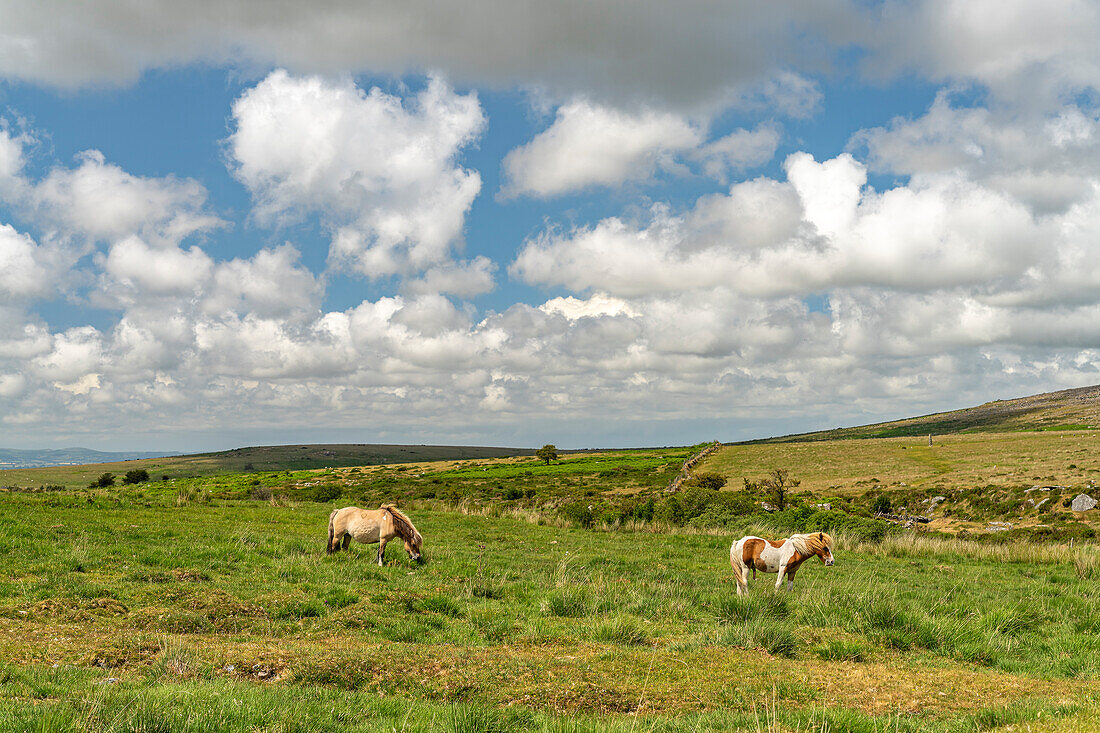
(10, 458)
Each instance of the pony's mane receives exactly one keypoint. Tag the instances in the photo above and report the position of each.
(812, 543)
(403, 525)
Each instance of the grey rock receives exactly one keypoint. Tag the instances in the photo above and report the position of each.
(1082, 503)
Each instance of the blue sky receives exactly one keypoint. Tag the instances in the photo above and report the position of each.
(403, 223)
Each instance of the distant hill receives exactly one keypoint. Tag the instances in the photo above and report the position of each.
(11, 458)
(1068, 409)
(256, 458)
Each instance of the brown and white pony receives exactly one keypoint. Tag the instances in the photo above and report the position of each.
(372, 525)
(769, 556)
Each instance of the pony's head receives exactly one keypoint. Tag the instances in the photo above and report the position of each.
(822, 545)
(815, 543)
(412, 546)
(407, 531)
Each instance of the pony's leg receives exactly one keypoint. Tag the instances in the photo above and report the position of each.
(346, 542)
(779, 580)
(382, 552)
(790, 579)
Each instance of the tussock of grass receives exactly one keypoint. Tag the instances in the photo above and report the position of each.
(770, 605)
(841, 651)
(620, 630)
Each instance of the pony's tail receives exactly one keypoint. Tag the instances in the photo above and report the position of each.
(738, 566)
(331, 530)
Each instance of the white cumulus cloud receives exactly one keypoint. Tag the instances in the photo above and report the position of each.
(381, 171)
(593, 145)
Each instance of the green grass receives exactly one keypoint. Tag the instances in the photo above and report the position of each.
(509, 623)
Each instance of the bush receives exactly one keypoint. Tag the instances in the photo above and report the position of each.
(260, 493)
(578, 512)
(136, 476)
(325, 493)
(104, 480)
(881, 504)
(670, 511)
(713, 481)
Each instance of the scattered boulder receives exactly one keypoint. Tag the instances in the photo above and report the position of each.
(1082, 503)
(825, 506)
(998, 527)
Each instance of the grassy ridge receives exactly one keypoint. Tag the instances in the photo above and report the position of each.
(260, 458)
(1069, 409)
(514, 624)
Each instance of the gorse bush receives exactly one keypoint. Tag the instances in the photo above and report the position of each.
(104, 480)
(136, 476)
(325, 493)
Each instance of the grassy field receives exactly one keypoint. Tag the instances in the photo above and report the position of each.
(1069, 458)
(153, 610)
(983, 476)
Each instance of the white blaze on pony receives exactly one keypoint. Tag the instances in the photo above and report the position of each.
(784, 558)
(372, 525)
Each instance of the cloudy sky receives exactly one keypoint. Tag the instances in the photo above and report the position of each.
(235, 222)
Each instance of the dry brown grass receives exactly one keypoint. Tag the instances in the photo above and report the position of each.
(1067, 458)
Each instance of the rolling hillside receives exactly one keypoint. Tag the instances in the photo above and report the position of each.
(1068, 409)
(258, 458)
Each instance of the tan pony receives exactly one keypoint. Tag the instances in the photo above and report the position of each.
(769, 556)
(372, 525)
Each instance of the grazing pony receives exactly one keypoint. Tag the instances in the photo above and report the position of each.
(372, 525)
(769, 556)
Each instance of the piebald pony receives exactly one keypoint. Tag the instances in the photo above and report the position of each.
(784, 558)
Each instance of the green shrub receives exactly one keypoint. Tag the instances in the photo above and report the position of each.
(670, 511)
(259, 493)
(136, 476)
(578, 512)
(325, 493)
(707, 480)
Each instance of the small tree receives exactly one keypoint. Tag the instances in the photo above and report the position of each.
(136, 476)
(881, 504)
(104, 480)
(547, 453)
(713, 481)
(779, 484)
